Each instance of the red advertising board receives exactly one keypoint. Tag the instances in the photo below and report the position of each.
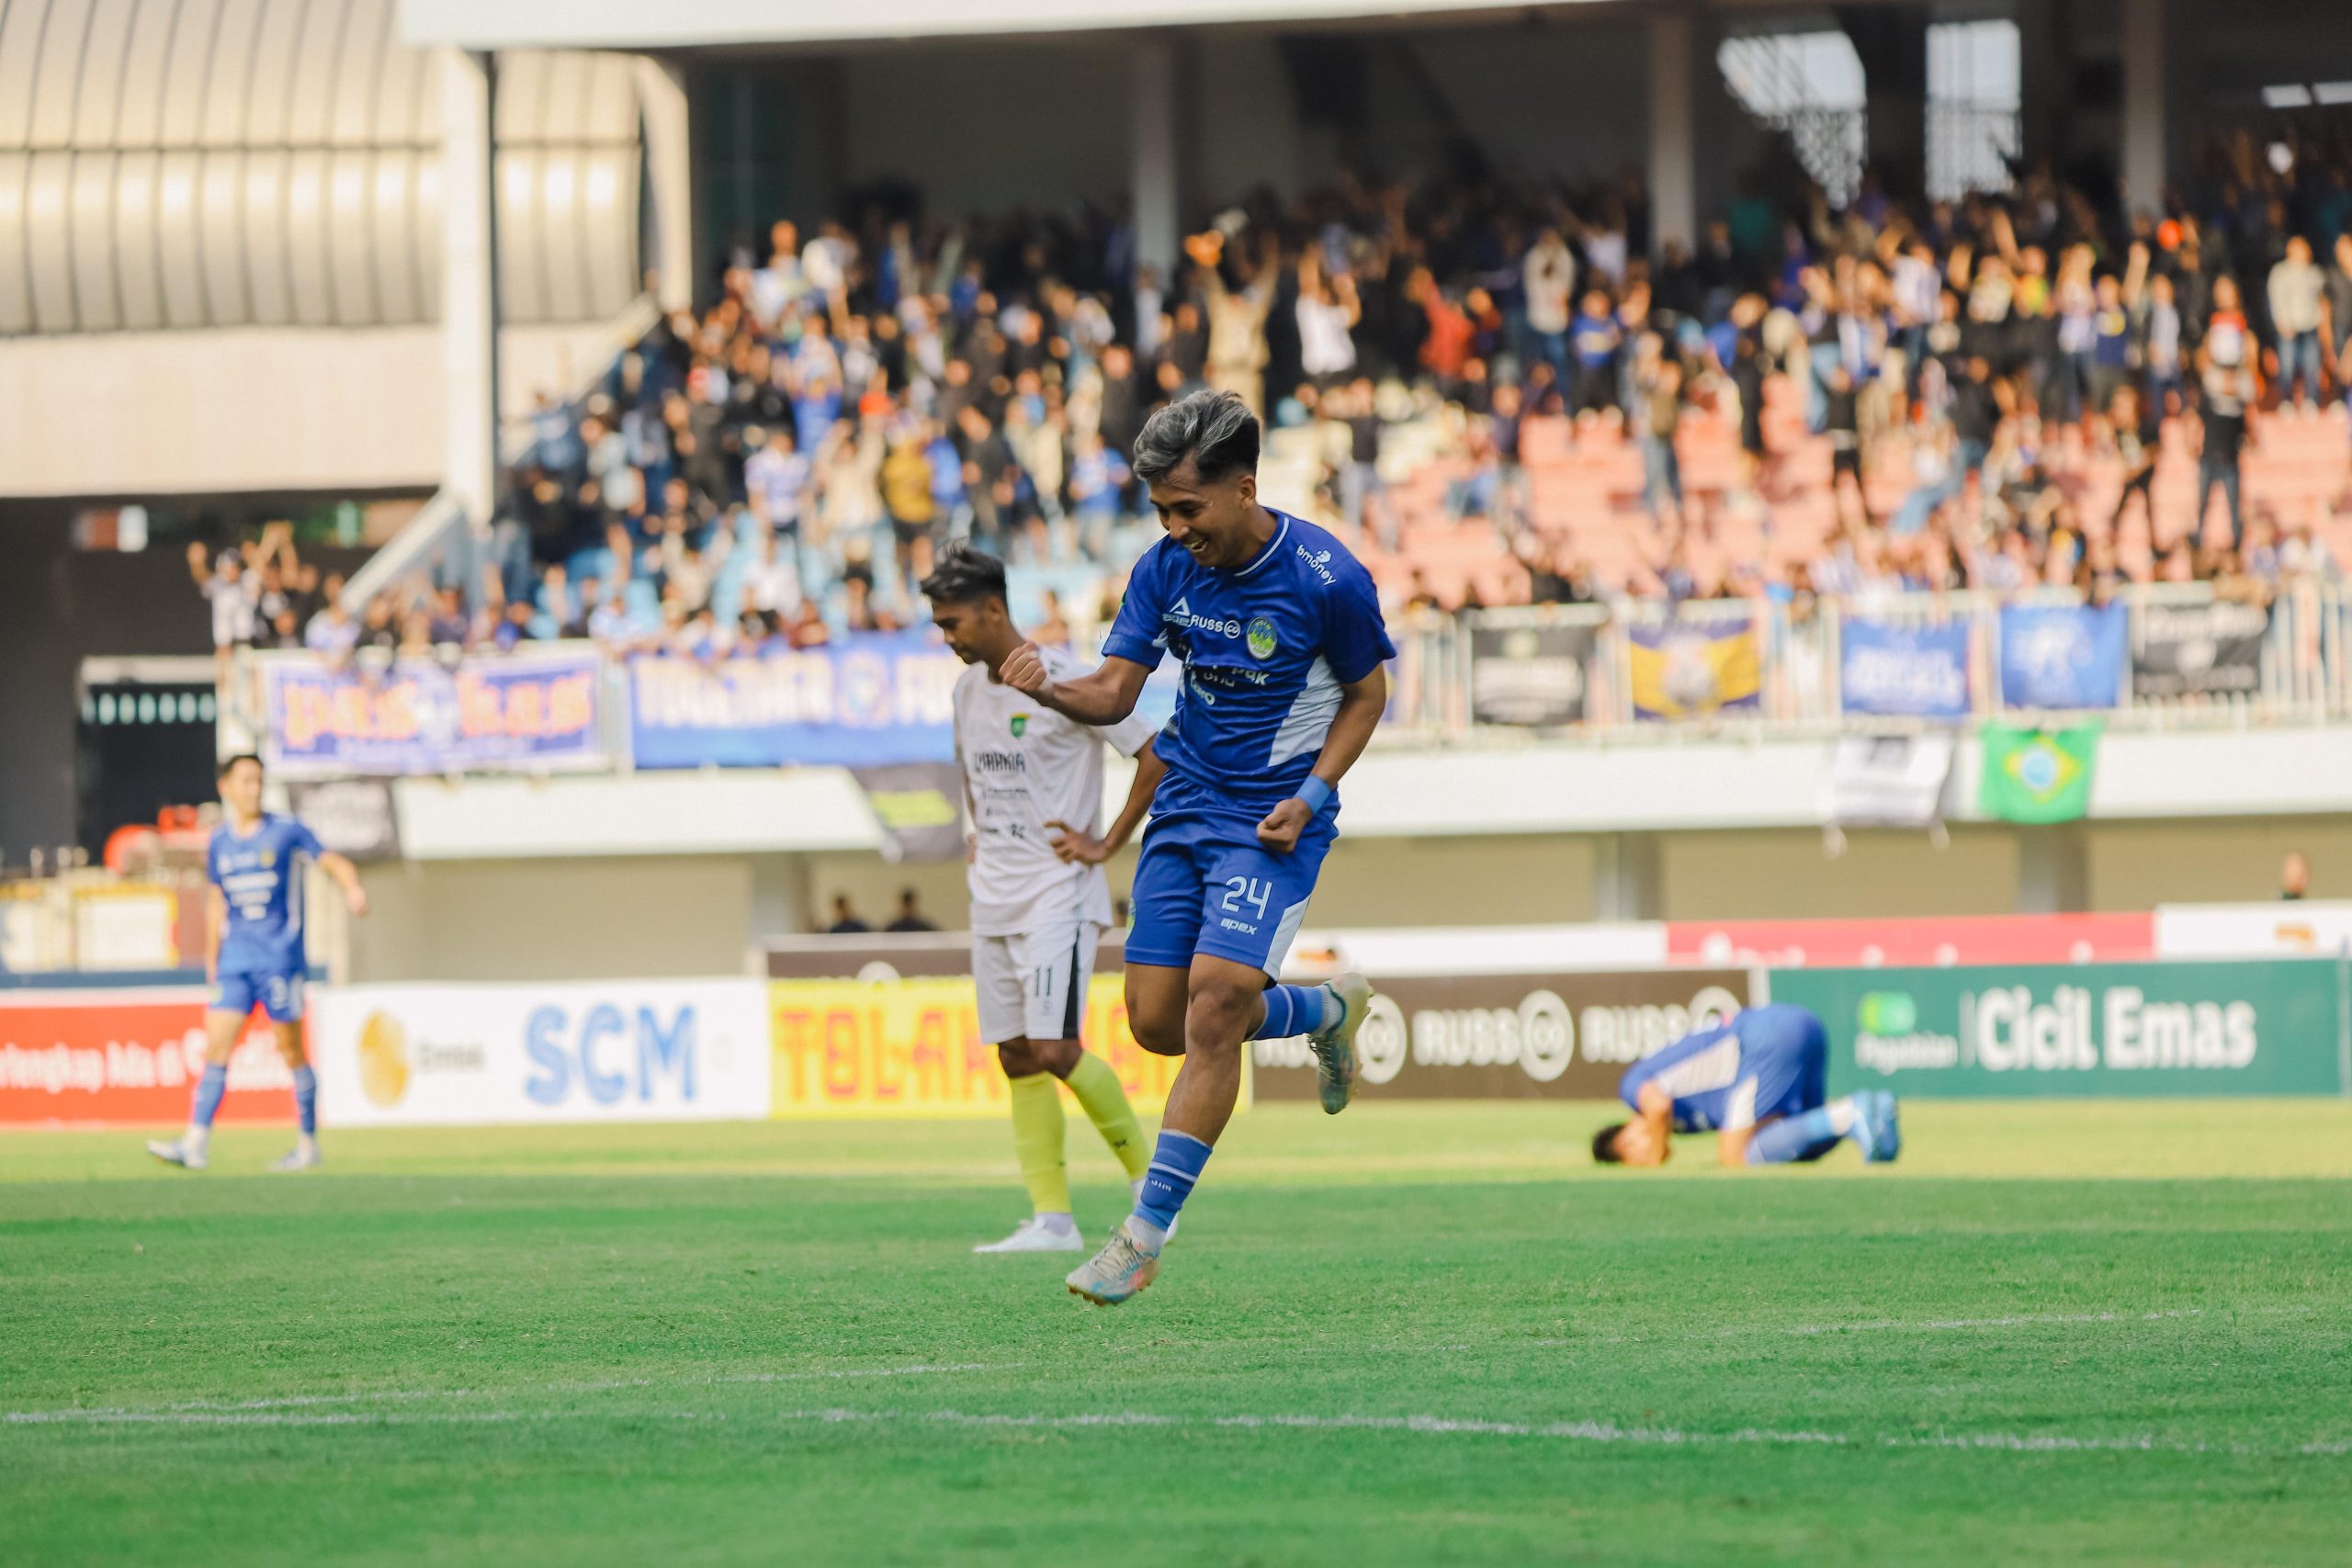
(1921, 941)
(127, 1058)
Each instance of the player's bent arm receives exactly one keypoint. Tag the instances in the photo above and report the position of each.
(347, 876)
(1361, 705)
(1150, 771)
(1104, 695)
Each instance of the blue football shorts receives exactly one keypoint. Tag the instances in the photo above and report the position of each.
(277, 993)
(1204, 884)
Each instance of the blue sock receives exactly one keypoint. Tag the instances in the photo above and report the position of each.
(306, 1098)
(1790, 1138)
(209, 1090)
(1290, 1009)
(1176, 1163)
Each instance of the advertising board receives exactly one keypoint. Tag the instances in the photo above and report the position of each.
(2249, 1027)
(491, 1055)
(127, 1057)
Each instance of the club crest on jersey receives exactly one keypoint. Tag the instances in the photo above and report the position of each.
(269, 859)
(1181, 613)
(1261, 638)
(1019, 725)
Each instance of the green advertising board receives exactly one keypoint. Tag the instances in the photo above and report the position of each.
(2266, 1026)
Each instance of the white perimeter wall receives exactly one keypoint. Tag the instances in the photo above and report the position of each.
(208, 412)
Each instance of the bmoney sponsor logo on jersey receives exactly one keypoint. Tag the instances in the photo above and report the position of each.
(1319, 562)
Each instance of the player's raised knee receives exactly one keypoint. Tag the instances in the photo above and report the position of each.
(1221, 1010)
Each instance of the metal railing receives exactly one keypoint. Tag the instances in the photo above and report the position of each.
(1448, 686)
(1638, 672)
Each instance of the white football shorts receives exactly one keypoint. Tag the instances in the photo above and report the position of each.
(1034, 985)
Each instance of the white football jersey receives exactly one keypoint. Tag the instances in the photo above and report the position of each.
(1024, 765)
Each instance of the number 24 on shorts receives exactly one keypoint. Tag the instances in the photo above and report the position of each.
(1253, 891)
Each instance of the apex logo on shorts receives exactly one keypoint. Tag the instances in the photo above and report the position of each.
(1180, 613)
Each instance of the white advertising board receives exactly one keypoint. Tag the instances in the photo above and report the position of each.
(482, 1056)
(2281, 929)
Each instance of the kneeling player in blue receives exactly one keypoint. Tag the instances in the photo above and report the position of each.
(255, 958)
(1758, 1082)
(1282, 647)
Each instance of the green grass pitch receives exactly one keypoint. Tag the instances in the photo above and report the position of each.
(2105, 1333)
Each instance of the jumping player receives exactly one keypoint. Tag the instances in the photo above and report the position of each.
(1281, 642)
(1758, 1082)
(1033, 783)
(253, 926)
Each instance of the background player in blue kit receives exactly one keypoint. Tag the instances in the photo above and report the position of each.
(1280, 637)
(255, 955)
(1758, 1083)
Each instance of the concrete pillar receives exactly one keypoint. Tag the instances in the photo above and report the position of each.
(1628, 877)
(2053, 870)
(468, 283)
(2143, 103)
(1892, 43)
(2045, 77)
(1674, 139)
(669, 179)
(1155, 179)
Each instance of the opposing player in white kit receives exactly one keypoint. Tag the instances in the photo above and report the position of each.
(1032, 781)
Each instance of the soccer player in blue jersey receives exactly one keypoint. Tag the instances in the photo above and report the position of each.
(1281, 638)
(256, 956)
(1758, 1082)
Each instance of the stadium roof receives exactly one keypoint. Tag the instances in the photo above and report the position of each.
(632, 24)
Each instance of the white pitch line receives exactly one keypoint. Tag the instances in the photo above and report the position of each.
(1600, 1432)
(199, 1409)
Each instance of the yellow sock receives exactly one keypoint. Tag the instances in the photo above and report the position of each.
(1097, 1088)
(1037, 1142)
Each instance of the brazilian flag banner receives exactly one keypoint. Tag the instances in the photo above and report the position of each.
(2038, 775)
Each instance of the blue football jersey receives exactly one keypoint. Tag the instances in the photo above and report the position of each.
(1265, 649)
(1765, 1062)
(263, 887)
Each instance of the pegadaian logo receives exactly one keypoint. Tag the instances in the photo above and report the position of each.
(383, 1060)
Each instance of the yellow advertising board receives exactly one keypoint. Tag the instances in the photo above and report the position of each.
(912, 1047)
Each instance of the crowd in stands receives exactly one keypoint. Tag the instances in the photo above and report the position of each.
(1959, 394)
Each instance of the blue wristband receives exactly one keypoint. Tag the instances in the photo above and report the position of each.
(1315, 793)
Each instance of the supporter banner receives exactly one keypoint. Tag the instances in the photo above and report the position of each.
(519, 710)
(2037, 775)
(480, 1056)
(1904, 671)
(1887, 780)
(1533, 676)
(920, 809)
(127, 1057)
(1962, 939)
(2212, 649)
(2061, 656)
(1534, 1036)
(2281, 929)
(880, 698)
(912, 1047)
(354, 818)
(1690, 669)
(2249, 1027)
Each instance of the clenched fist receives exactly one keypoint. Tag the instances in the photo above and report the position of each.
(1024, 670)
